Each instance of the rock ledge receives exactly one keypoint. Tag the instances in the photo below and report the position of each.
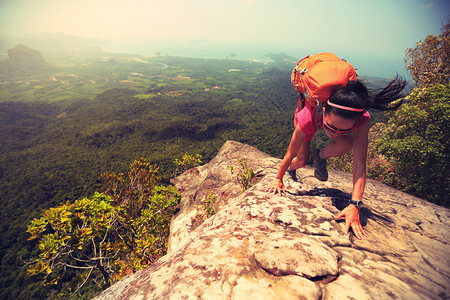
(261, 246)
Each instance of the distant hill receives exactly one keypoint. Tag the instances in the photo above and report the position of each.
(22, 59)
(50, 43)
(282, 60)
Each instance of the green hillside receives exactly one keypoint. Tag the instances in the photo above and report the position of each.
(96, 112)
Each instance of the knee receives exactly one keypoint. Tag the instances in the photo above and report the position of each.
(298, 163)
(345, 144)
(348, 145)
(346, 148)
(303, 161)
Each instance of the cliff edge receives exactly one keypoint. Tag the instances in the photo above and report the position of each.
(261, 246)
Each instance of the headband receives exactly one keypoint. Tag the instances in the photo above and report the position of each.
(346, 107)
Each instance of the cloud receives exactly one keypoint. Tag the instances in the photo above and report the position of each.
(429, 5)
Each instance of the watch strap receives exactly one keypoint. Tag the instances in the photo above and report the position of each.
(357, 203)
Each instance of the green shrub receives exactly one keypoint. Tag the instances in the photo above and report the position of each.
(245, 176)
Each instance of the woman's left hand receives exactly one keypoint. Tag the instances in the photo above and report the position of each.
(351, 214)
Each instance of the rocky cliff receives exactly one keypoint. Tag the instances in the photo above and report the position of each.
(22, 59)
(262, 246)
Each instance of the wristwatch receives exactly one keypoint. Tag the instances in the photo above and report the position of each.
(357, 203)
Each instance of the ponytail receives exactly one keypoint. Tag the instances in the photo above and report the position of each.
(357, 98)
(392, 92)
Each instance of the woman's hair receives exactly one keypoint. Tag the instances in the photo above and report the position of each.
(356, 95)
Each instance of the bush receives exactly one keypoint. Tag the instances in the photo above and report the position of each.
(416, 144)
(107, 236)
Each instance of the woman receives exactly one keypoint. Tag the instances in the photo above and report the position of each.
(347, 121)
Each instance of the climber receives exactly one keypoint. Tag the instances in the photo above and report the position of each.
(346, 121)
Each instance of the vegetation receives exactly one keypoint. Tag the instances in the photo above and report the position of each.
(207, 210)
(72, 131)
(63, 129)
(187, 162)
(429, 62)
(106, 236)
(245, 176)
(416, 144)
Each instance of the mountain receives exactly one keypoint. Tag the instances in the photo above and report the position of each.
(23, 59)
(282, 60)
(51, 43)
(261, 246)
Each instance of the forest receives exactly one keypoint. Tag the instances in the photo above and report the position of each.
(64, 126)
(93, 112)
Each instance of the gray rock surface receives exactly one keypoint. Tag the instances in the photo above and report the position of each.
(262, 246)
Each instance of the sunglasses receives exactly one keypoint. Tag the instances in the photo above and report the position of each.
(333, 129)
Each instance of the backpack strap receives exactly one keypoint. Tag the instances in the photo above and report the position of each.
(317, 110)
(297, 75)
(318, 115)
(314, 101)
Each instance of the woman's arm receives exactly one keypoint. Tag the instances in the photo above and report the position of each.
(360, 144)
(297, 139)
(351, 212)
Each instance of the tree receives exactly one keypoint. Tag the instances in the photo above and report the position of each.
(416, 140)
(186, 163)
(416, 143)
(429, 62)
(130, 190)
(108, 235)
(76, 235)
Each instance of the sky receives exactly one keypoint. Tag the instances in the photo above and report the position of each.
(367, 31)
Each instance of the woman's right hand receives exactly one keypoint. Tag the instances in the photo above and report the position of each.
(276, 186)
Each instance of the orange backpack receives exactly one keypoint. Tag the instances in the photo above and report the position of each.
(316, 76)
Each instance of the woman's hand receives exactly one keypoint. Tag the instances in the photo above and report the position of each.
(351, 214)
(276, 186)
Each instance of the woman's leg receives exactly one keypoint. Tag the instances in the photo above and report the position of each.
(339, 146)
(302, 156)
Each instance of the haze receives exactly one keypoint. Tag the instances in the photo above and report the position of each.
(373, 33)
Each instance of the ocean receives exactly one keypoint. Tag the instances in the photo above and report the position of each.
(370, 65)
